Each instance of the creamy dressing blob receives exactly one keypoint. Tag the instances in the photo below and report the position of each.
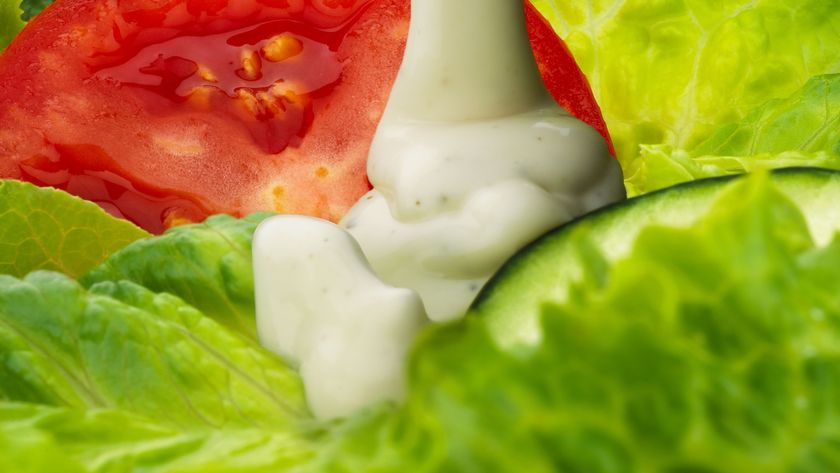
(320, 306)
(472, 160)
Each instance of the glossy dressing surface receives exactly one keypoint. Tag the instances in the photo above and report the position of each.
(472, 160)
(320, 306)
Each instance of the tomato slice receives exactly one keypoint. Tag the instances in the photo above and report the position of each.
(167, 111)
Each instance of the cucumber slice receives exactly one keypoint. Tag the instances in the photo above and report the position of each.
(543, 271)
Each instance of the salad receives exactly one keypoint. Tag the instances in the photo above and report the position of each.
(691, 329)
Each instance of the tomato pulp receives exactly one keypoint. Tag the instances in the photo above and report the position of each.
(167, 111)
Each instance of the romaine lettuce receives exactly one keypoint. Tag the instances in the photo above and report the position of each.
(10, 22)
(13, 17)
(42, 228)
(118, 345)
(32, 7)
(800, 130)
(659, 166)
(807, 120)
(45, 439)
(681, 73)
(208, 265)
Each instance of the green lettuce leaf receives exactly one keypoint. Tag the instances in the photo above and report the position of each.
(807, 121)
(800, 130)
(10, 22)
(208, 265)
(674, 72)
(713, 348)
(44, 228)
(659, 166)
(13, 17)
(50, 439)
(33, 7)
(120, 346)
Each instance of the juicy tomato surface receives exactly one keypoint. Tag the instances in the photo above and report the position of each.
(167, 111)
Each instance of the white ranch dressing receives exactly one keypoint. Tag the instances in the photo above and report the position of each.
(473, 158)
(320, 306)
(471, 161)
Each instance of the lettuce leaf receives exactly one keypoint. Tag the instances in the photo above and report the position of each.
(673, 73)
(33, 7)
(800, 130)
(659, 166)
(208, 265)
(52, 439)
(807, 121)
(44, 228)
(13, 17)
(120, 346)
(10, 22)
(713, 348)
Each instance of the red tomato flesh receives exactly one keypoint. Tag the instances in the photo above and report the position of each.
(167, 111)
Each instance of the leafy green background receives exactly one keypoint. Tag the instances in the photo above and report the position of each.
(807, 120)
(42, 228)
(117, 378)
(46, 439)
(113, 377)
(10, 22)
(13, 17)
(33, 7)
(717, 78)
(770, 137)
(97, 348)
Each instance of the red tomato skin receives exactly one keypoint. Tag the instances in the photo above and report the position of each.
(113, 101)
(562, 75)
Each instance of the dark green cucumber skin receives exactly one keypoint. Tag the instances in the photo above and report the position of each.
(510, 301)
